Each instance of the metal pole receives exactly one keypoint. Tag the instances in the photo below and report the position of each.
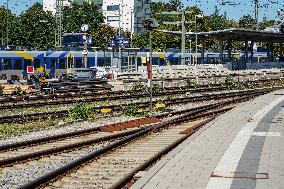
(256, 9)
(7, 32)
(190, 52)
(183, 39)
(86, 52)
(119, 34)
(195, 41)
(131, 34)
(151, 69)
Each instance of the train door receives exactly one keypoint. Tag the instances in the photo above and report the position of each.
(52, 67)
(70, 64)
(132, 61)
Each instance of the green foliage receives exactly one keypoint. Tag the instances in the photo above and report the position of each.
(156, 88)
(76, 15)
(138, 86)
(81, 111)
(247, 22)
(134, 111)
(190, 84)
(36, 28)
(238, 86)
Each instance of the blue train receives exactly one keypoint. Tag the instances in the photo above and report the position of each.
(13, 64)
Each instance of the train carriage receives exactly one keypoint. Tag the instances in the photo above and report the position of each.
(13, 64)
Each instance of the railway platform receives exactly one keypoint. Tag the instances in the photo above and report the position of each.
(241, 149)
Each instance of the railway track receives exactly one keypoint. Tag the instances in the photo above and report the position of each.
(123, 155)
(102, 97)
(21, 118)
(68, 98)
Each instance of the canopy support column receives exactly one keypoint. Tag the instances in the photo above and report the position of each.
(251, 52)
(221, 50)
(202, 51)
(230, 51)
(246, 52)
(269, 51)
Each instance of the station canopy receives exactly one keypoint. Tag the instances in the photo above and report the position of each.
(235, 34)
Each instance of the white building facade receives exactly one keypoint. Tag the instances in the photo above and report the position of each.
(126, 14)
(50, 5)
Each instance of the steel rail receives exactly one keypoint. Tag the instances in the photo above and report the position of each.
(40, 181)
(63, 136)
(127, 178)
(63, 113)
(103, 98)
(33, 155)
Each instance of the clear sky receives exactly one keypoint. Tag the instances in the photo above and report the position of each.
(234, 8)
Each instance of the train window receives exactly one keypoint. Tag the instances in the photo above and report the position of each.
(155, 61)
(100, 62)
(53, 63)
(62, 64)
(79, 63)
(107, 61)
(18, 64)
(1, 63)
(139, 62)
(37, 63)
(162, 62)
(7, 64)
(174, 61)
(27, 63)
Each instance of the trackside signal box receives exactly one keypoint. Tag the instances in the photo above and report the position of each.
(30, 69)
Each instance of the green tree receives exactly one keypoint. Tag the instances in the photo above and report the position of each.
(102, 35)
(12, 24)
(78, 14)
(265, 23)
(247, 22)
(35, 28)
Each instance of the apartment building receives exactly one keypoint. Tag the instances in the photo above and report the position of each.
(128, 14)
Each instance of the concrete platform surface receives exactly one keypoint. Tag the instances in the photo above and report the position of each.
(241, 149)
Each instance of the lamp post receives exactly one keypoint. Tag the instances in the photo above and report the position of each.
(7, 31)
(196, 16)
(120, 13)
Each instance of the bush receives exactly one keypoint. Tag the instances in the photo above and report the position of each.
(156, 88)
(134, 111)
(238, 86)
(138, 86)
(190, 84)
(81, 111)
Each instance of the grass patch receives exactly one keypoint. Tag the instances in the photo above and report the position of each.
(81, 111)
(13, 128)
(134, 111)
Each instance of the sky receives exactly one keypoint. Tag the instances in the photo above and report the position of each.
(234, 8)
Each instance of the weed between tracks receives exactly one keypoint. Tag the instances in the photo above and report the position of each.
(82, 111)
(14, 128)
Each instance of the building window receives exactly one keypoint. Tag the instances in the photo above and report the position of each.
(113, 18)
(112, 7)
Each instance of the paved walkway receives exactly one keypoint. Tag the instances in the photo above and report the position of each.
(242, 149)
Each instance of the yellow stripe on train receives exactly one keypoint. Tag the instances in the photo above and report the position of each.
(160, 55)
(25, 55)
